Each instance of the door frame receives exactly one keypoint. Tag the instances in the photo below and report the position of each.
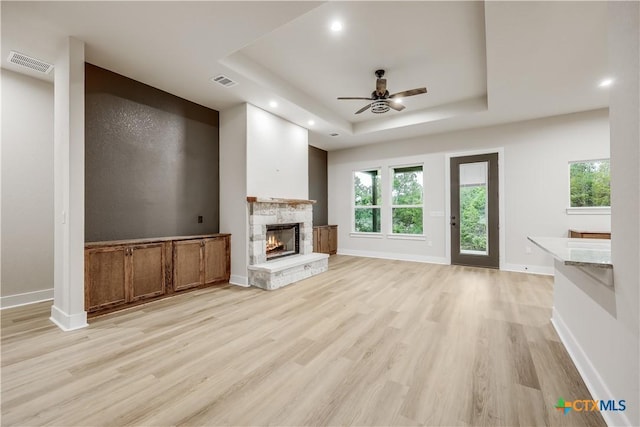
(447, 199)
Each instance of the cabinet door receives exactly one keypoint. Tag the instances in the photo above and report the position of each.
(215, 260)
(324, 240)
(105, 278)
(316, 239)
(187, 264)
(333, 239)
(147, 275)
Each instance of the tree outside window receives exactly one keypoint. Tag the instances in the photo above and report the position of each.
(590, 183)
(367, 201)
(407, 200)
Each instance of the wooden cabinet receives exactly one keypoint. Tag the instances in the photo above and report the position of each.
(217, 260)
(105, 283)
(187, 264)
(122, 273)
(325, 239)
(147, 277)
(589, 234)
(200, 262)
(116, 275)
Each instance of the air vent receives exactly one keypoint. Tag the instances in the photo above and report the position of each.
(224, 81)
(29, 62)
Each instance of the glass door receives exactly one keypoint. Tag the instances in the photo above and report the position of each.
(474, 211)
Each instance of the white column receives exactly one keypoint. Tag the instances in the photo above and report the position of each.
(68, 304)
(233, 188)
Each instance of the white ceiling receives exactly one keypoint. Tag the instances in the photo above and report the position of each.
(482, 63)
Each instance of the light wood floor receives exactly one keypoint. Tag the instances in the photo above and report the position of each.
(371, 342)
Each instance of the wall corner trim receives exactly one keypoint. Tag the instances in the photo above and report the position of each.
(592, 379)
(68, 322)
(239, 280)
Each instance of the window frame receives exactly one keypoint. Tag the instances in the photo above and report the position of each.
(404, 236)
(586, 210)
(354, 232)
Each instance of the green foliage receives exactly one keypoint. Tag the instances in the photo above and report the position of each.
(407, 220)
(590, 184)
(367, 220)
(407, 187)
(473, 218)
(367, 188)
(407, 190)
(367, 193)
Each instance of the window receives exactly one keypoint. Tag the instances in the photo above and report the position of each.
(589, 184)
(474, 180)
(406, 200)
(367, 201)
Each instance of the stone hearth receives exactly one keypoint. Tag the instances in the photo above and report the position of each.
(281, 272)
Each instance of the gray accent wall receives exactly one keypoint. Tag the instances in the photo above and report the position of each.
(152, 161)
(318, 184)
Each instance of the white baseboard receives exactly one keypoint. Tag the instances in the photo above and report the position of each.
(532, 269)
(592, 379)
(394, 256)
(26, 298)
(239, 280)
(68, 322)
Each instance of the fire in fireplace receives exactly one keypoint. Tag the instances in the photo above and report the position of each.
(282, 240)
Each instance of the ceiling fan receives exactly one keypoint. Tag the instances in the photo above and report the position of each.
(382, 101)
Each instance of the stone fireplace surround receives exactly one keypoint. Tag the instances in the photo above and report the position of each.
(281, 272)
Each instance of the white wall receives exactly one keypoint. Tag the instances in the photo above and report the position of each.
(536, 156)
(601, 329)
(233, 187)
(261, 155)
(620, 368)
(27, 189)
(277, 157)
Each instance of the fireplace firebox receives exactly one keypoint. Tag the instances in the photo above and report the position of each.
(282, 240)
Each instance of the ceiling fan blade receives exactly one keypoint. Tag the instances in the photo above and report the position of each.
(396, 106)
(348, 97)
(410, 92)
(365, 108)
(381, 86)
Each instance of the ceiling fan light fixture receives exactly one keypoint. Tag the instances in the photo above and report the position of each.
(379, 107)
(382, 100)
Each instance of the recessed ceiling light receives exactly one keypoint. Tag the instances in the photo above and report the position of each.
(311, 122)
(336, 26)
(606, 83)
(273, 104)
